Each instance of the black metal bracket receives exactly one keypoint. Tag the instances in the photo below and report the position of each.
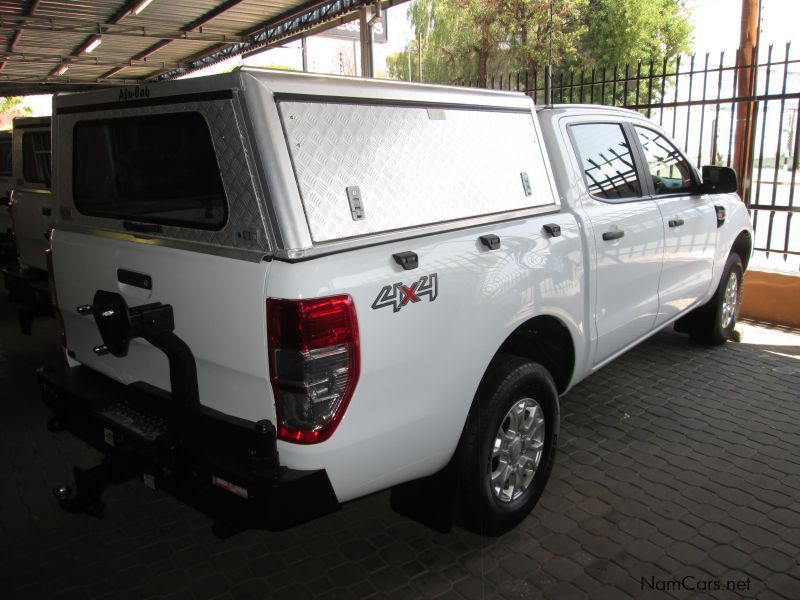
(491, 241)
(407, 260)
(552, 229)
(119, 324)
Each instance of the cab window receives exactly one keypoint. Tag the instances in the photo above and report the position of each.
(36, 157)
(668, 168)
(607, 161)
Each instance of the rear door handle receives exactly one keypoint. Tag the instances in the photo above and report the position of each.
(675, 222)
(613, 235)
(135, 279)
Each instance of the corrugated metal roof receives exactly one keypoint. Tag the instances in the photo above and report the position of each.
(45, 45)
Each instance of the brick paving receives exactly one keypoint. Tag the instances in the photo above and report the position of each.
(676, 464)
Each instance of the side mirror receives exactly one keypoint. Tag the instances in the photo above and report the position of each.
(719, 180)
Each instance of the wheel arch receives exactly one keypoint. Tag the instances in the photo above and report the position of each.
(544, 339)
(743, 246)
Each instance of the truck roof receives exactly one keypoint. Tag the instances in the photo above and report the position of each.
(294, 83)
(31, 122)
(562, 109)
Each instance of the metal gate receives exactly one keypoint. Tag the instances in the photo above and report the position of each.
(697, 99)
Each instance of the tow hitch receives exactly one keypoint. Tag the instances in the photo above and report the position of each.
(90, 485)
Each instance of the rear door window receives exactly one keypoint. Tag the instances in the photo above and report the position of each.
(36, 157)
(606, 160)
(5, 159)
(151, 168)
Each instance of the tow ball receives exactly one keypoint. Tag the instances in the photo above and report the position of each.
(90, 485)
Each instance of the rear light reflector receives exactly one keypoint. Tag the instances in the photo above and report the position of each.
(230, 487)
(51, 280)
(313, 364)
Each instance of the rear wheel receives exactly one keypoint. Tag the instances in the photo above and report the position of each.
(714, 323)
(508, 446)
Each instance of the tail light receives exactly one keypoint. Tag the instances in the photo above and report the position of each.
(51, 280)
(313, 364)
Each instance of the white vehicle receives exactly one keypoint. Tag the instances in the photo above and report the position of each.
(32, 215)
(283, 291)
(5, 187)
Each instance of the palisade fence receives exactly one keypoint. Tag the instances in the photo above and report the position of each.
(696, 99)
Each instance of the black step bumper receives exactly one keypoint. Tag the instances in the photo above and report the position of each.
(222, 465)
(28, 289)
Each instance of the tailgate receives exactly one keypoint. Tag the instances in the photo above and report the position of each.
(163, 205)
(219, 310)
(32, 212)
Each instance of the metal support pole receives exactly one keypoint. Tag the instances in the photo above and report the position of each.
(367, 69)
(304, 49)
(548, 85)
(745, 111)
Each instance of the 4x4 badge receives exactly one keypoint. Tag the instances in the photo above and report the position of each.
(399, 295)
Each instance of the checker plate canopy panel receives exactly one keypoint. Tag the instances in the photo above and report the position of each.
(414, 166)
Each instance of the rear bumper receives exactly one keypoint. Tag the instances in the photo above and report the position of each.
(224, 466)
(29, 291)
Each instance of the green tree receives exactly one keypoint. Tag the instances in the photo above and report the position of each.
(449, 34)
(11, 105)
(474, 40)
(536, 35)
(620, 31)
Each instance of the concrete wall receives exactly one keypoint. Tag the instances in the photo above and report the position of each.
(772, 298)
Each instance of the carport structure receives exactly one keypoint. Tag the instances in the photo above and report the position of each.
(48, 46)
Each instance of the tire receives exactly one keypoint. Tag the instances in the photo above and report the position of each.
(714, 322)
(513, 386)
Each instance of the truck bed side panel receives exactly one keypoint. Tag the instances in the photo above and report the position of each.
(421, 365)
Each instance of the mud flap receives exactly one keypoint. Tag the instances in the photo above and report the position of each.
(430, 500)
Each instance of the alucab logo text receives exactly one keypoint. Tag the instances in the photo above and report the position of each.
(691, 584)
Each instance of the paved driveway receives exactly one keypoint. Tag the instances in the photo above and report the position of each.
(679, 468)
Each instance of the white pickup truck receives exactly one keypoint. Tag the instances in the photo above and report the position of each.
(6, 228)
(279, 292)
(31, 214)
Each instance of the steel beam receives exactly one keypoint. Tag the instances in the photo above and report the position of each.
(29, 10)
(86, 60)
(313, 16)
(186, 29)
(93, 28)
